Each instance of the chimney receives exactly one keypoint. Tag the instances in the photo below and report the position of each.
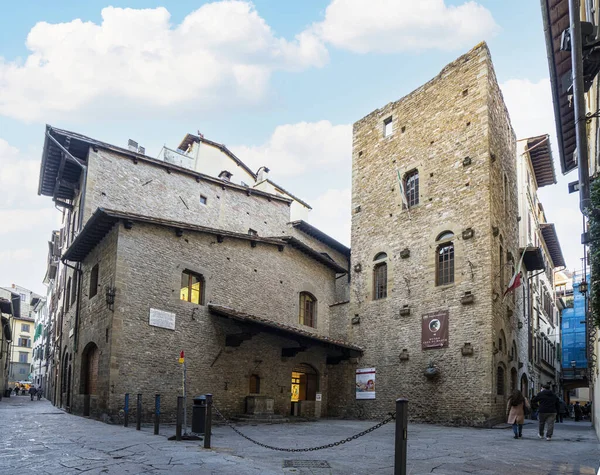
(262, 174)
(142, 150)
(132, 145)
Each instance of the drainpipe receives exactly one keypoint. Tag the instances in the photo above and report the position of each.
(78, 273)
(579, 106)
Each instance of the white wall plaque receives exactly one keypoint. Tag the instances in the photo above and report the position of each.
(162, 319)
(318, 397)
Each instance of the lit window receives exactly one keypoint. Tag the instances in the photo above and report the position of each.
(388, 127)
(411, 188)
(308, 310)
(192, 287)
(445, 259)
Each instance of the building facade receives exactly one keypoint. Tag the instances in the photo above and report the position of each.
(158, 258)
(434, 237)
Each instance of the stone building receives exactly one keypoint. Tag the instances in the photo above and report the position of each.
(542, 254)
(434, 240)
(159, 258)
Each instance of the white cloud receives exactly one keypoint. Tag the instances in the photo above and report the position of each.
(530, 107)
(390, 26)
(18, 177)
(294, 149)
(223, 52)
(331, 214)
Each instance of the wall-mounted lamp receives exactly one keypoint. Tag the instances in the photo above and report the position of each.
(110, 297)
(583, 286)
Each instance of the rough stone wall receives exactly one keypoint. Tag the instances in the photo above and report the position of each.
(436, 128)
(261, 281)
(94, 327)
(116, 182)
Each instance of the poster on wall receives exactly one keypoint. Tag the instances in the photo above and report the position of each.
(434, 330)
(365, 383)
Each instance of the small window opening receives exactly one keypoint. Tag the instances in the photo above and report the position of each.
(308, 310)
(403, 129)
(254, 384)
(203, 199)
(388, 127)
(94, 281)
(465, 93)
(252, 232)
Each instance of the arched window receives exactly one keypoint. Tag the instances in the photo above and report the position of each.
(308, 310)
(500, 381)
(380, 276)
(411, 188)
(254, 384)
(192, 287)
(445, 259)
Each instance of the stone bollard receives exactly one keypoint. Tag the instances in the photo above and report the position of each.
(401, 436)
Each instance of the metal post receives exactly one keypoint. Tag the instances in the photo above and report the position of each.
(126, 409)
(178, 424)
(156, 413)
(579, 106)
(401, 436)
(138, 413)
(208, 421)
(184, 399)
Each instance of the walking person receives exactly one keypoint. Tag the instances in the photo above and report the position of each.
(562, 410)
(578, 411)
(548, 408)
(32, 392)
(517, 404)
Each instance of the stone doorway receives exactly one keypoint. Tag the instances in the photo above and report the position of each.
(305, 382)
(514, 380)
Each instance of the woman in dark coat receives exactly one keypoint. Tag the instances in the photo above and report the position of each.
(516, 412)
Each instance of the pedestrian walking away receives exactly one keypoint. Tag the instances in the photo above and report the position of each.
(32, 392)
(39, 393)
(577, 410)
(549, 406)
(517, 405)
(562, 411)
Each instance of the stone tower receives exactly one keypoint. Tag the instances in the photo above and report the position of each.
(434, 245)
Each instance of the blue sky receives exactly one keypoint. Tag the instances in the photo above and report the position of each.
(315, 85)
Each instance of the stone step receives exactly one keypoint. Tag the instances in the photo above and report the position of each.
(260, 418)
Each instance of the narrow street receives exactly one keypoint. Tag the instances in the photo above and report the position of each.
(39, 438)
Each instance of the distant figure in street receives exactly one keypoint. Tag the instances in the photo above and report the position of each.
(39, 393)
(549, 406)
(32, 392)
(578, 412)
(562, 410)
(516, 407)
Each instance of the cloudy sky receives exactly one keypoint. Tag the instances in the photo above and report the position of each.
(280, 83)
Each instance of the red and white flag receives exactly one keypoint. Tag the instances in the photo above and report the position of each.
(515, 280)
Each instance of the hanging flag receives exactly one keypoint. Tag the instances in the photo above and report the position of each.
(402, 192)
(515, 280)
(181, 357)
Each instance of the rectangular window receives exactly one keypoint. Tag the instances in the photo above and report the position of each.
(388, 127)
(192, 287)
(74, 289)
(380, 281)
(502, 288)
(307, 310)
(25, 342)
(68, 295)
(22, 371)
(94, 281)
(445, 264)
(25, 327)
(23, 297)
(22, 357)
(203, 199)
(411, 185)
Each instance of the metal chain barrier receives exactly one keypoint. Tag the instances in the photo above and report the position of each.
(391, 417)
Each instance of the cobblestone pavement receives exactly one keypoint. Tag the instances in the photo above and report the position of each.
(39, 438)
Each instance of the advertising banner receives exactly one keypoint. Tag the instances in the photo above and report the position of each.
(434, 330)
(365, 383)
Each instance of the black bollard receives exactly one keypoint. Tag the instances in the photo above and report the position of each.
(156, 413)
(178, 425)
(138, 415)
(401, 436)
(208, 421)
(126, 409)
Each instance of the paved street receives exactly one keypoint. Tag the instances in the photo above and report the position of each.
(38, 438)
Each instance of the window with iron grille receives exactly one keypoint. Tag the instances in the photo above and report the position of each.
(445, 259)
(411, 188)
(308, 310)
(500, 381)
(192, 287)
(380, 281)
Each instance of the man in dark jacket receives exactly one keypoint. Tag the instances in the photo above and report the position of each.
(549, 406)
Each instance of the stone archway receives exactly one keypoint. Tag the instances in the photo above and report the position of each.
(305, 385)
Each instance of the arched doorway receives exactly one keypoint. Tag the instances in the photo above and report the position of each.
(514, 379)
(63, 379)
(88, 380)
(305, 384)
